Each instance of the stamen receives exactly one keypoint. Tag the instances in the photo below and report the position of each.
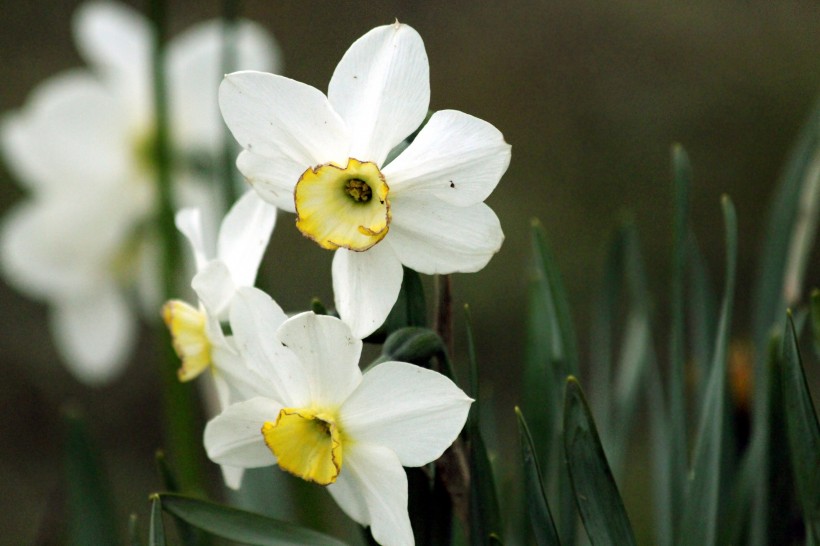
(358, 190)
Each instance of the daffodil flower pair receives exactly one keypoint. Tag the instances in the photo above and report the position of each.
(83, 147)
(318, 417)
(326, 159)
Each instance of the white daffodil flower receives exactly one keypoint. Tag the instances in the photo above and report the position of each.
(318, 417)
(196, 331)
(324, 158)
(82, 147)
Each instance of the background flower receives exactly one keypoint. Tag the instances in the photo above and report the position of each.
(83, 147)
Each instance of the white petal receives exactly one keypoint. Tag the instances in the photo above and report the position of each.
(234, 380)
(215, 288)
(234, 437)
(189, 223)
(456, 157)
(329, 355)
(273, 178)
(195, 68)
(365, 286)
(417, 413)
(59, 246)
(255, 318)
(95, 334)
(232, 475)
(244, 236)
(432, 236)
(272, 115)
(372, 489)
(72, 135)
(381, 88)
(117, 39)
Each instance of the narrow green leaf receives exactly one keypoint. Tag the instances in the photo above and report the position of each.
(485, 516)
(596, 493)
(156, 531)
(133, 531)
(91, 518)
(539, 511)
(707, 480)
(702, 313)
(551, 355)
(803, 432)
(241, 526)
(318, 307)
(635, 351)
(661, 457)
(768, 293)
(166, 475)
(682, 177)
(188, 535)
(562, 338)
(601, 341)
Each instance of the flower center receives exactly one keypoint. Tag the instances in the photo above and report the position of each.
(343, 207)
(306, 443)
(358, 190)
(191, 343)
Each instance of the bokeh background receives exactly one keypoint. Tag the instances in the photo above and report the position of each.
(590, 94)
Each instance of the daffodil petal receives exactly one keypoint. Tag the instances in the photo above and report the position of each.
(415, 412)
(232, 475)
(195, 68)
(274, 177)
(117, 39)
(95, 332)
(381, 88)
(328, 353)
(233, 379)
(272, 115)
(189, 222)
(234, 437)
(432, 236)
(71, 130)
(215, 288)
(373, 477)
(244, 236)
(255, 318)
(365, 286)
(456, 157)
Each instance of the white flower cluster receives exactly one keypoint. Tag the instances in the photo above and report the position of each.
(84, 240)
(290, 391)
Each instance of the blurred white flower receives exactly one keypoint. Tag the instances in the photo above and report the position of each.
(325, 158)
(196, 331)
(82, 146)
(318, 417)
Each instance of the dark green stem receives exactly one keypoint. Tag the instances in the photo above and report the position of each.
(182, 436)
(230, 30)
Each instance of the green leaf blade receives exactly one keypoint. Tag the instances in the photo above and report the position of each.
(707, 477)
(596, 493)
(241, 526)
(539, 511)
(803, 432)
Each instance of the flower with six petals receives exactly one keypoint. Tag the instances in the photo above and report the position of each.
(318, 417)
(326, 159)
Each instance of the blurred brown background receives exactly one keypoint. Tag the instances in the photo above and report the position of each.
(590, 94)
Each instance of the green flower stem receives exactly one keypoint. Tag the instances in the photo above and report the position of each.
(182, 435)
(230, 14)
